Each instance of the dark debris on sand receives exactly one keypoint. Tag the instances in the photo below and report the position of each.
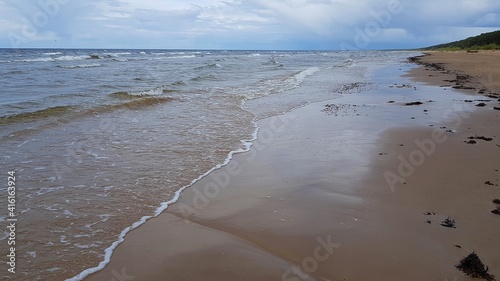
(473, 267)
(342, 109)
(448, 222)
(497, 210)
(414, 103)
(476, 137)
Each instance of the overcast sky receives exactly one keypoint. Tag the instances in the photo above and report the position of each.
(243, 24)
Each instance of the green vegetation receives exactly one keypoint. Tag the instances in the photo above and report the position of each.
(485, 41)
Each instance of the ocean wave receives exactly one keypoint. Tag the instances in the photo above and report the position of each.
(124, 95)
(37, 60)
(81, 65)
(137, 95)
(43, 113)
(200, 78)
(15, 72)
(179, 83)
(72, 112)
(71, 58)
(53, 54)
(348, 63)
(273, 62)
(135, 104)
(25, 105)
(305, 73)
(117, 54)
(183, 57)
(208, 66)
(61, 58)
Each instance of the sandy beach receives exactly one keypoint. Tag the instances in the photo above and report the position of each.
(355, 188)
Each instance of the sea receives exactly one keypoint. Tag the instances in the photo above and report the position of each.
(100, 141)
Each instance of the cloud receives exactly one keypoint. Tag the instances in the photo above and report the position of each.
(252, 24)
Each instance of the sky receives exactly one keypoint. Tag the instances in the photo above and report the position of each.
(243, 24)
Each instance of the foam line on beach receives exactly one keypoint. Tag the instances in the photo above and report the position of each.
(108, 252)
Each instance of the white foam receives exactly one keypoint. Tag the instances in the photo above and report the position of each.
(32, 254)
(45, 190)
(53, 54)
(51, 208)
(305, 73)
(53, 269)
(183, 57)
(63, 240)
(86, 246)
(71, 58)
(153, 92)
(38, 60)
(105, 217)
(5, 235)
(117, 54)
(82, 65)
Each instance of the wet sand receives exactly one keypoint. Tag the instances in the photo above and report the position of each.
(349, 189)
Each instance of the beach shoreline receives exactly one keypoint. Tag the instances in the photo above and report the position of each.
(320, 195)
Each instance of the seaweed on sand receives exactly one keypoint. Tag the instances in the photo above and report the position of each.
(472, 266)
(497, 210)
(448, 222)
